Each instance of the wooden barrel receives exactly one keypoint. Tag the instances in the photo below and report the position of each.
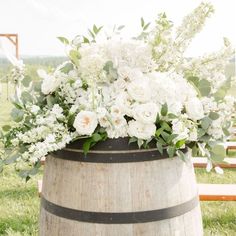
(118, 190)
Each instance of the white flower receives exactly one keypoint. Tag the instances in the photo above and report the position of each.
(219, 170)
(146, 113)
(57, 111)
(35, 109)
(118, 128)
(194, 109)
(209, 166)
(50, 83)
(141, 130)
(85, 122)
(140, 90)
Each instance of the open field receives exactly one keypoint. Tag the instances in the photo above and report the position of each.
(19, 201)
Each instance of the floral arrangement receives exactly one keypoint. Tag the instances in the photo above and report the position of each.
(143, 88)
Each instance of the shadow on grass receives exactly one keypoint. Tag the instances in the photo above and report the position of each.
(21, 224)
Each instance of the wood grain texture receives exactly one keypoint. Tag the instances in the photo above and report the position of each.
(120, 187)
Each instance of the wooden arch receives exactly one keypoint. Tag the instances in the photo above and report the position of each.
(13, 38)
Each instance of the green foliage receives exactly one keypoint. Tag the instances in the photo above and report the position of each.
(110, 71)
(17, 115)
(64, 40)
(164, 109)
(26, 81)
(98, 136)
(203, 86)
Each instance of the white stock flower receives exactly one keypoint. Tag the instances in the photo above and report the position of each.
(146, 113)
(85, 122)
(35, 109)
(141, 130)
(140, 90)
(57, 111)
(194, 109)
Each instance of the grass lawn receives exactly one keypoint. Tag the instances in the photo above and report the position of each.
(19, 201)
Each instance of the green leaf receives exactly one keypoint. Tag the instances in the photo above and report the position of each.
(67, 68)
(11, 159)
(132, 140)
(180, 143)
(142, 22)
(26, 97)
(6, 128)
(172, 137)
(158, 118)
(214, 115)
(219, 150)
(226, 132)
(37, 86)
(121, 27)
(91, 33)
(86, 40)
(140, 143)
(146, 26)
(164, 109)
(172, 116)
(200, 132)
(194, 151)
(26, 81)
(182, 155)
(159, 131)
(205, 123)
(96, 137)
(165, 126)
(171, 151)
(159, 147)
(64, 40)
(204, 87)
(165, 136)
(17, 115)
(74, 56)
(110, 70)
(51, 100)
(87, 145)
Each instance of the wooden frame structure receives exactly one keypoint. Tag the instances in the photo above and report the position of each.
(13, 38)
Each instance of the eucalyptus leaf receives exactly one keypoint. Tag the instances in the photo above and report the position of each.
(204, 87)
(17, 115)
(26, 81)
(11, 159)
(6, 128)
(214, 115)
(26, 97)
(205, 123)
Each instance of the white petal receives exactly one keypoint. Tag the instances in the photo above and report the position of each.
(219, 170)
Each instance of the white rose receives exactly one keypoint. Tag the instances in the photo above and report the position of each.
(140, 130)
(85, 122)
(146, 113)
(118, 127)
(140, 90)
(194, 109)
(130, 73)
(49, 84)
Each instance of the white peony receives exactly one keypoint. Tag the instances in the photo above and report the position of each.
(85, 122)
(146, 113)
(194, 109)
(140, 130)
(140, 90)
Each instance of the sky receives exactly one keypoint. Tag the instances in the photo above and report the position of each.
(40, 22)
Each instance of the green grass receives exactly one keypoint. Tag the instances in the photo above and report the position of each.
(19, 201)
